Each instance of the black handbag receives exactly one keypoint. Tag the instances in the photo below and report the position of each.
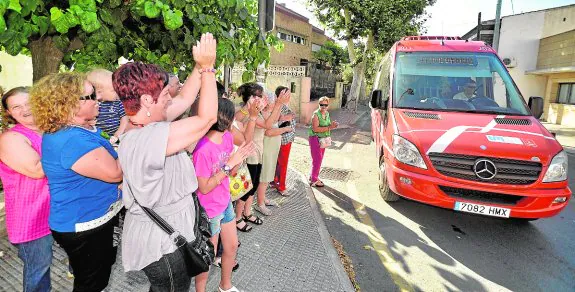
(198, 254)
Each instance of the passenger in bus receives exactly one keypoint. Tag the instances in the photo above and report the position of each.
(468, 91)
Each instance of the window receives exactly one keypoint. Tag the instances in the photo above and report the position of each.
(315, 47)
(455, 81)
(566, 94)
(291, 38)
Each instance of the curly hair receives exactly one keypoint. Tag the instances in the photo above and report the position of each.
(7, 119)
(55, 99)
(132, 80)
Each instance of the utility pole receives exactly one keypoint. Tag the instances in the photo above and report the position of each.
(497, 25)
(479, 26)
(266, 18)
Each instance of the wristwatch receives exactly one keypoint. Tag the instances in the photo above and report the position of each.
(226, 169)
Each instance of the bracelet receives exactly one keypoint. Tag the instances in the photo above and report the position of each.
(253, 119)
(245, 112)
(212, 70)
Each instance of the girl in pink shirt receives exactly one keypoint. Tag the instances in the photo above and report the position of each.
(214, 162)
(26, 190)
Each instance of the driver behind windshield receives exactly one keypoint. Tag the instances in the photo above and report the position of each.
(468, 91)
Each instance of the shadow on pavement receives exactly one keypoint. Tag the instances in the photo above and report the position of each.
(396, 237)
(515, 255)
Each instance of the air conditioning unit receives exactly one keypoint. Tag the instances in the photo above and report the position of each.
(509, 62)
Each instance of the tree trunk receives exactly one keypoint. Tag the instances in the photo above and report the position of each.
(46, 57)
(355, 89)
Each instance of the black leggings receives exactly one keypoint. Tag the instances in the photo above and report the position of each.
(255, 171)
(92, 254)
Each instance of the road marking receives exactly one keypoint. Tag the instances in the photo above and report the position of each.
(377, 241)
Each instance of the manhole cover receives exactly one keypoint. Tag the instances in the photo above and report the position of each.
(335, 174)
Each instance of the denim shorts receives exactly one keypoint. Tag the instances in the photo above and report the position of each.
(227, 216)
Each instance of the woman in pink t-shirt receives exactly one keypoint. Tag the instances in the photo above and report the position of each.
(214, 160)
(26, 190)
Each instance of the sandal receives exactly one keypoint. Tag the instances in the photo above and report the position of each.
(257, 221)
(317, 183)
(271, 203)
(284, 193)
(218, 263)
(263, 209)
(246, 227)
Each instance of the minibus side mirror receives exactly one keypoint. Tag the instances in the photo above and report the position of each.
(377, 100)
(536, 106)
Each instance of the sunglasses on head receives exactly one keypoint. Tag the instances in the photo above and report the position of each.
(91, 96)
(323, 104)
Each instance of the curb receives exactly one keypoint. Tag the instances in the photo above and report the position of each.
(341, 275)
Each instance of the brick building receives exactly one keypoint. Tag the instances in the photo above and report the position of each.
(300, 38)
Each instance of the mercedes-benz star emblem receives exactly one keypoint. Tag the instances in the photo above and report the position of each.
(485, 169)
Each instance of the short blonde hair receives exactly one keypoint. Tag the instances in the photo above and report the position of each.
(55, 99)
(324, 98)
(100, 77)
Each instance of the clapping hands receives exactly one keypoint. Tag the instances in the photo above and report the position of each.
(204, 51)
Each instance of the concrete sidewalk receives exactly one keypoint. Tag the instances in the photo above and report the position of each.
(291, 251)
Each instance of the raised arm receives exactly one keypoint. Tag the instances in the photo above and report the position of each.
(283, 99)
(188, 131)
(184, 100)
(17, 153)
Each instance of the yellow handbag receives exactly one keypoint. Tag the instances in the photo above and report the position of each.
(241, 183)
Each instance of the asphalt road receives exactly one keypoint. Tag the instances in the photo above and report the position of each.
(410, 246)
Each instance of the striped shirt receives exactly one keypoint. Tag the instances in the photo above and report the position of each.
(110, 114)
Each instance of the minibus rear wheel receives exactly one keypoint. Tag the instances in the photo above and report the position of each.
(385, 191)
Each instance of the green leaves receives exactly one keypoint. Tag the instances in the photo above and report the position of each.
(95, 33)
(14, 5)
(173, 19)
(151, 9)
(42, 22)
(62, 21)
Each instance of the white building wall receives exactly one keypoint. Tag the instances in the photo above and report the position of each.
(16, 71)
(519, 39)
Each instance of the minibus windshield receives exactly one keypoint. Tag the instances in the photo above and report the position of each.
(455, 81)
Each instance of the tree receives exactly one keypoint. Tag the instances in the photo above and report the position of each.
(369, 26)
(96, 33)
(332, 54)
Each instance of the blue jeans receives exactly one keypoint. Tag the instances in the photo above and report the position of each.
(37, 258)
(227, 216)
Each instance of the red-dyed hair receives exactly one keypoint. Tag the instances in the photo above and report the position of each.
(134, 79)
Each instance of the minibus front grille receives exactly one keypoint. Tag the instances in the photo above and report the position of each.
(508, 171)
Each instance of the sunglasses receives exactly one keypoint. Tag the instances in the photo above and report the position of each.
(91, 96)
(323, 104)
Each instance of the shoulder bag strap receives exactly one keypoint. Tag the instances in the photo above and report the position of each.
(178, 239)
